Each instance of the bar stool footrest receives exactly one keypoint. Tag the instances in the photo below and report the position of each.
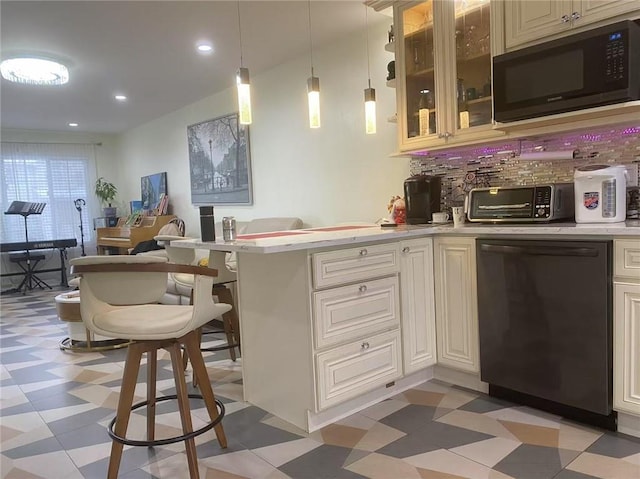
(169, 440)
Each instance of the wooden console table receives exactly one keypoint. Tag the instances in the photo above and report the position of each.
(119, 239)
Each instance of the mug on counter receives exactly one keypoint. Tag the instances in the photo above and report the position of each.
(440, 217)
(457, 212)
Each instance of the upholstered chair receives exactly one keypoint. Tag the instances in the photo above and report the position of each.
(119, 298)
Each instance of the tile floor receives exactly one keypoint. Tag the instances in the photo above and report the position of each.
(55, 405)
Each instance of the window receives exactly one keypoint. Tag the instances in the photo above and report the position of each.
(55, 174)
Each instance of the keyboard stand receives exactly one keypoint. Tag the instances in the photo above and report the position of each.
(28, 263)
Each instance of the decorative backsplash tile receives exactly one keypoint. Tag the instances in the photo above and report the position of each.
(499, 164)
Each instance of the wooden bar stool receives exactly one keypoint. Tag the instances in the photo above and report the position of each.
(119, 296)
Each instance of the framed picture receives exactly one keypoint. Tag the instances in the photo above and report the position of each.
(219, 162)
(153, 188)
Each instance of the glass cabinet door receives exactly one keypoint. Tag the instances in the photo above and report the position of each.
(417, 23)
(473, 63)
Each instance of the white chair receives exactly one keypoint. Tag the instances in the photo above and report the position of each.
(118, 298)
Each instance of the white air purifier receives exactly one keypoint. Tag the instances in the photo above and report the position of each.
(600, 193)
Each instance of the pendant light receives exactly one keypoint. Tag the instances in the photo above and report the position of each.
(313, 86)
(242, 83)
(369, 93)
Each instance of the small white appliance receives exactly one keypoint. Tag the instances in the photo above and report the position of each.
(600, 193)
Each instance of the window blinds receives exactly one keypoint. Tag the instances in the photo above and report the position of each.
(51, 173)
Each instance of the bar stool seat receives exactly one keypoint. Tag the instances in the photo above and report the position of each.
(119, 296)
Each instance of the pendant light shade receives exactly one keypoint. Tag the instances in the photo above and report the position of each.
(313, 86)
(370, 110)
(369, 93)
(244, 96)
(313, 94)
(243, 85)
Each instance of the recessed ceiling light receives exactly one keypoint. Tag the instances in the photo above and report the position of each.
(120, 97)
(34, 71)
(73, 124)
(204, 48)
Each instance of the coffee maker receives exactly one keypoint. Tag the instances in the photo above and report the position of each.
(422, 198)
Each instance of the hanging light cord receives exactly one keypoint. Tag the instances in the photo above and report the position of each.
(366, 23)
(310, 42)
(240, 32)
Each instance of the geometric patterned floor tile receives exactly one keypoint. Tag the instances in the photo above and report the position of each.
(55, 406)
(534, 462)
(604, 466)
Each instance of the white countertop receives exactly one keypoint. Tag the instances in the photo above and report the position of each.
(345, 235)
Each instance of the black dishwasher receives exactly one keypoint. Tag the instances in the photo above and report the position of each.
(545, 319)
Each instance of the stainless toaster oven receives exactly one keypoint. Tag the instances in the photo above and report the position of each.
(521, 204)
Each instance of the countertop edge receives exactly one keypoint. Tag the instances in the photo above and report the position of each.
(346, 238)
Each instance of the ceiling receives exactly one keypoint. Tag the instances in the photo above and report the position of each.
(146, 51)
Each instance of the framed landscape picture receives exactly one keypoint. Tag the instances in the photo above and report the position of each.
(219, 163)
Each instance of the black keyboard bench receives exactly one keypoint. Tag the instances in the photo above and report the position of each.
(28, 263)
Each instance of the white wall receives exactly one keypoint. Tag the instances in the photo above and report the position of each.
(334, 174)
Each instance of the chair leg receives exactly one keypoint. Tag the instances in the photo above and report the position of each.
(152, 366)
(199, 339)
(191, 342)
(127, 391)
(185, 410)
(229, 319)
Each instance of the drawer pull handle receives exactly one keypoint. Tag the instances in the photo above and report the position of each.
(362, 288)
(405, 249)
(365, 345)
(564, 18)
(575, 16)
(363, 252)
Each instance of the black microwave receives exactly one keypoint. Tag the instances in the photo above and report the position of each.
(593, 68)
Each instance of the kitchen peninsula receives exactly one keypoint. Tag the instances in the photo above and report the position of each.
(335, 319)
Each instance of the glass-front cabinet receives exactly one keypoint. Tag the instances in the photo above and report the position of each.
(444, 75)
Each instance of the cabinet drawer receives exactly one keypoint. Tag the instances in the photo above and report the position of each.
(355, 368)
(626, 258)
(354, 264)
(348, 312)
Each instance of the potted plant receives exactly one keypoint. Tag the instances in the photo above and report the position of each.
(106, 192)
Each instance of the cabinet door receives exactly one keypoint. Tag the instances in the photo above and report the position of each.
(472, 105)
(626, 347)
(415, 69)
(443, 67)
(530, 20)
(456, 303)
(592, 11)
(536, 20)
(418, 308)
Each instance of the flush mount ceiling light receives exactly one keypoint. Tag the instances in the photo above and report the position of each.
(34, 71)
(73, 124)
(204, 48)
(120, 97)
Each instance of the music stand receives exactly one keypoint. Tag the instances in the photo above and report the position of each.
(25, 209)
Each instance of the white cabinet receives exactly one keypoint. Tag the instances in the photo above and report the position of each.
(456, 303)
(531, 21)
(418, 306)
(356, 321)
(443, 70)
(626, 326)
